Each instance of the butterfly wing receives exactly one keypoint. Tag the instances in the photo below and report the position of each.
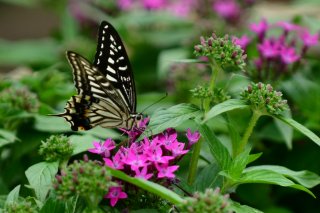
(112, 61)
(97, 102)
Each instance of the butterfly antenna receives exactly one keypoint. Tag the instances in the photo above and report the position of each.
(155, 102)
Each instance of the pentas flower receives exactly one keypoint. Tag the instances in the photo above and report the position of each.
(269, 48)
(243, 41)
(115, 193)
(278, 54)
(166, 171)
(154, 4)
(143, 173)
(152, 158)
(125, 4)
(287, 26)
(289, 55)
(182, 8)
(192, 137)
(260, 28)
(104, 149)
(309, 39)
(228, 9)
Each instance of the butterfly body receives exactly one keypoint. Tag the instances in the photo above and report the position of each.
(106, 89)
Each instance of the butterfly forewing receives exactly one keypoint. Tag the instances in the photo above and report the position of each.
(106, 90)
(112, 61)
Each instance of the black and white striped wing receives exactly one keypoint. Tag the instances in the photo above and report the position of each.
(112, 61)
(97, 102)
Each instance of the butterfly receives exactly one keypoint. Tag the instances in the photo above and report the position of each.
(106, 89)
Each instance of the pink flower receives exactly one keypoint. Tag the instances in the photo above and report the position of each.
(167, 138)
(125, 4)
(136, 160)
(260, 28)
(192, 137)
(287, 26)
(104, 149)
(269, 48)
(288, 55)
(228, 9)
(177, 149)
(166, 171)
(143, 173)
(115, 193)
(181, 8)
(243, 41)
(154, 154)
(308, 39)
(116, 162)
(154, 4)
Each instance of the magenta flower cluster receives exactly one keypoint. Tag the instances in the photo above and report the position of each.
(277, 53)
(179, 7)
(229, 10)
(151, 159)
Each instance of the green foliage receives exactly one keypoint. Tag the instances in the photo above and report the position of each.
(209, 201)
(263, 98)
(222, 51)
(56, 148)
(87, 179)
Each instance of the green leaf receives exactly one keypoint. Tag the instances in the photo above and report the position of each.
(40, 177)
(269, 177)
(13, 196)
(239, 164)
(305, 178)
(234, 135)
(208, 177)
(7, 137)
(226, 106)
(238, 208)
(75, 204)
(285, 130)
(218, 151)
(148, 186)
(254, 157)
(82, 143)
(51, 124)
(172, 117)
(304, 130)
(53, 205)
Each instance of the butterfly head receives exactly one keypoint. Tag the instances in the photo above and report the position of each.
(139, 120)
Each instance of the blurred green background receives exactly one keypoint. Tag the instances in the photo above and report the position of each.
(36, 80)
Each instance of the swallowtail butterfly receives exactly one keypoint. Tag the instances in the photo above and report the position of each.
(106, 89)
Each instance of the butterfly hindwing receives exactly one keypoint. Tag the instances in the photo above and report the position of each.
(112, 61)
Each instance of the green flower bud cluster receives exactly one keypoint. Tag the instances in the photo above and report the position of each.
(22, 206)
(263, 98)
(219, 96)
(15, 104)
(222, 50)
(208, 202)
(18, 99)
(56, 148)
(88, 179)
(201, 92)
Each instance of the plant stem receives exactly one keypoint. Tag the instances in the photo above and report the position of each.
(194, 162)
(255, 116)
(215, 68)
